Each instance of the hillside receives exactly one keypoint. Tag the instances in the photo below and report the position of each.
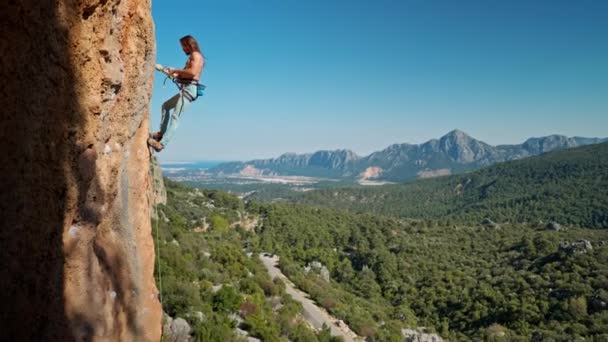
(453, 153)
(383, 274)
(564, 186)
(210, 275)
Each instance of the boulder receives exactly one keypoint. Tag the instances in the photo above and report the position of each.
(177, 330)
(318, 268)
(576, 247)
(490, 224)
(419, 335)
(554, 226)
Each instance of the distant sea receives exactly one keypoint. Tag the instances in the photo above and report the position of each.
(203, 164)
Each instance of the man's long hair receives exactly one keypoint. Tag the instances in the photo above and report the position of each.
(190, 42)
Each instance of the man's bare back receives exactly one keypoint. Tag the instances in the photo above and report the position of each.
(195, 64)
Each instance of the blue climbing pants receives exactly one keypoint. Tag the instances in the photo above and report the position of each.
(172, 109)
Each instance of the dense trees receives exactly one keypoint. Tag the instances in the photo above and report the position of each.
(565, 186)
(209, 280)
(468, 282)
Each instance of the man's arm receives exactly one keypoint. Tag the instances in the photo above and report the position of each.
(193, 71)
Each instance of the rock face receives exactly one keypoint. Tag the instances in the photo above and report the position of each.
(419, 335)
(554, 226)
(490, 224)
(158, 184)
(76, 251)
(576, 247)
(318, 268)
(177, 330)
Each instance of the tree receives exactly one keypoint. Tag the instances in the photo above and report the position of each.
(366, 283)
(344, 271)
(218, 223)
(227, 300)
(577, 306)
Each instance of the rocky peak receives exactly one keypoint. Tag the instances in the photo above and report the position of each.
(332, 159)
(456, 137)
(462, 148)
(390, 154)
(457, 134)
(290, 158)
(548, 143)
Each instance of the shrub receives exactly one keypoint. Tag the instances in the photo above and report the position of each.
(218, 223)
(226, 300)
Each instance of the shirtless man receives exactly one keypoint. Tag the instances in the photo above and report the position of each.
(187, 80)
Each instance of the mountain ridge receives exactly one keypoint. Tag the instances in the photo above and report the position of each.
(454, 152)
(562, 186)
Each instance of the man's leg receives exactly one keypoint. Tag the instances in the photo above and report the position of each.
(171, 125)
(166, 109)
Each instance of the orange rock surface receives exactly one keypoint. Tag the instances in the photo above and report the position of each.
(76, 250)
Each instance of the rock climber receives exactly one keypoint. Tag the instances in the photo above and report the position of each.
(189, 89)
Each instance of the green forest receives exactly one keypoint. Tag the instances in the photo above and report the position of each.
(567, 186)
(467, 282)
(207, 277)
(464, 281)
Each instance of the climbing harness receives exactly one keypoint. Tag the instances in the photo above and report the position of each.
(181, 84)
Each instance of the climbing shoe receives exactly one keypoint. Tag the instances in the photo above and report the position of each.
(155, 145)
(156, 136)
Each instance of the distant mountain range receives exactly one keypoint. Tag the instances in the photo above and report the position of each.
(566, 186)
(455, 152)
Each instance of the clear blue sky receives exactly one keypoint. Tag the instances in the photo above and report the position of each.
(300, 76)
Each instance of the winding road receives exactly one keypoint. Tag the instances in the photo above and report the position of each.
(315, 315)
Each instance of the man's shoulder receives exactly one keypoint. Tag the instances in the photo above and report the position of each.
(196, 55)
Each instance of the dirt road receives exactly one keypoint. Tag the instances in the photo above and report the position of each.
(315, 315)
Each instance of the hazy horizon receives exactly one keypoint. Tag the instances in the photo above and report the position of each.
(218, 161)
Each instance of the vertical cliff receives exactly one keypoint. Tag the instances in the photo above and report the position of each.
(76, 251)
